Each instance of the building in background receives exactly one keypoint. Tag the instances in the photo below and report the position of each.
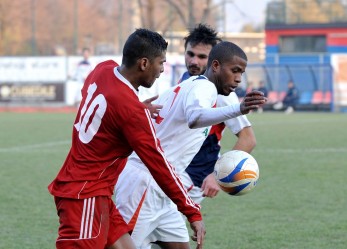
(304, 41)
(305, 31)
(302, 38)
(64, 27)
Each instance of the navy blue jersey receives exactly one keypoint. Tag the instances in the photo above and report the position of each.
(185, 76)
(203, 163)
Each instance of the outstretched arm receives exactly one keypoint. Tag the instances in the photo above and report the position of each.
(209, 116)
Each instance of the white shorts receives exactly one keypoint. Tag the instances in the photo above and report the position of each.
(145, 207)
(194, 192)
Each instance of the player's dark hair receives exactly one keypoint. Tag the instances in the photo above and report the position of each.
(224, 52)
(143, 43)
(202, 33)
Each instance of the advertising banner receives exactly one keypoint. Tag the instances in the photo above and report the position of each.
(31, 93)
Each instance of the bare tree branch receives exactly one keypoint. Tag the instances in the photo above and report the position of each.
(179, 11)
(207, 11)
(142, 18)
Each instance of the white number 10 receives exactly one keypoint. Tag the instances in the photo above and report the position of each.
(88, 128)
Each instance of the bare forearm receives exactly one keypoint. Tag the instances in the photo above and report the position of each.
(246, 140)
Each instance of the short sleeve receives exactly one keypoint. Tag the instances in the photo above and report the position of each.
(234, 124)
(202, 95)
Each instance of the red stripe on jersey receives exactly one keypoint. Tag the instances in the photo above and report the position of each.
(218, 130)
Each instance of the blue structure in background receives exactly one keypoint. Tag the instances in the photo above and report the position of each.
(314, 82)
(299, 48)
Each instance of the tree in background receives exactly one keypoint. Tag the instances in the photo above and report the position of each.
(50, 27)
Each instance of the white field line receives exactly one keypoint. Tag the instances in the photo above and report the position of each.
(266, 150)
(296, 122)
(34, 146)
(307, 150)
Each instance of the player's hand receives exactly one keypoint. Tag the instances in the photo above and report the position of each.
(153, 109)
(198, 228)
(210, 186)
(252, 101)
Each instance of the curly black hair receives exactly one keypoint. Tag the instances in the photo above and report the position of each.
(202, 33)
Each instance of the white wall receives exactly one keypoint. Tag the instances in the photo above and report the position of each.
(45, 70)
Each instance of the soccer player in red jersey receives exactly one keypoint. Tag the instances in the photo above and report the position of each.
(110, 124)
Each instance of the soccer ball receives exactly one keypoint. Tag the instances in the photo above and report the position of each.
(236, 172)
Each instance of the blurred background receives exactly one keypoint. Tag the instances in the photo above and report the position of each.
(42, 44)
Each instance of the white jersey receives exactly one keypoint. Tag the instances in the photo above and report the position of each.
(234, 124)
(179, 142)
(82, 70)
(203, 162)
(141, 202)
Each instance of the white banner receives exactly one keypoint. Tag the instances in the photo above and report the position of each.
(46, 70)
(29, 69)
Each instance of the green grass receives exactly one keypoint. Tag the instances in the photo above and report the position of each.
(32, 149)
(299, 203)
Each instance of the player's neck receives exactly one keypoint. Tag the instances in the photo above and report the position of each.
(129, 75)
(208, 74)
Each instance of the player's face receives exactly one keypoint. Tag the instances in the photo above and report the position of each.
(229, 75)
(86, 54)
(196, 58)
(153, 71)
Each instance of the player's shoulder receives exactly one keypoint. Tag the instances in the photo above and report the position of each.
(198, 82)
(184, 77)
(108, 64)
(126, 105)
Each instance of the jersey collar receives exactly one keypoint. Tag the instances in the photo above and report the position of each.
(124, 80)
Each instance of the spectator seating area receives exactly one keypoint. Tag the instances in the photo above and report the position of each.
(313, 81)
(317, 100)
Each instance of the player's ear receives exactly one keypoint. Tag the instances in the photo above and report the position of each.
(143, 63)
(215, 66)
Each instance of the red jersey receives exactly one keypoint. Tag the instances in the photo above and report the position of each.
(110, 124)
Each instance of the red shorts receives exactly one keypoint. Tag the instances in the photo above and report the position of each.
(88, 223)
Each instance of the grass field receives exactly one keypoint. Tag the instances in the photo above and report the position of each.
(300, 201)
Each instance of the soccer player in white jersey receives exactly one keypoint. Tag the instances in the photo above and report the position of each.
(182, 125)
(198, 176)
